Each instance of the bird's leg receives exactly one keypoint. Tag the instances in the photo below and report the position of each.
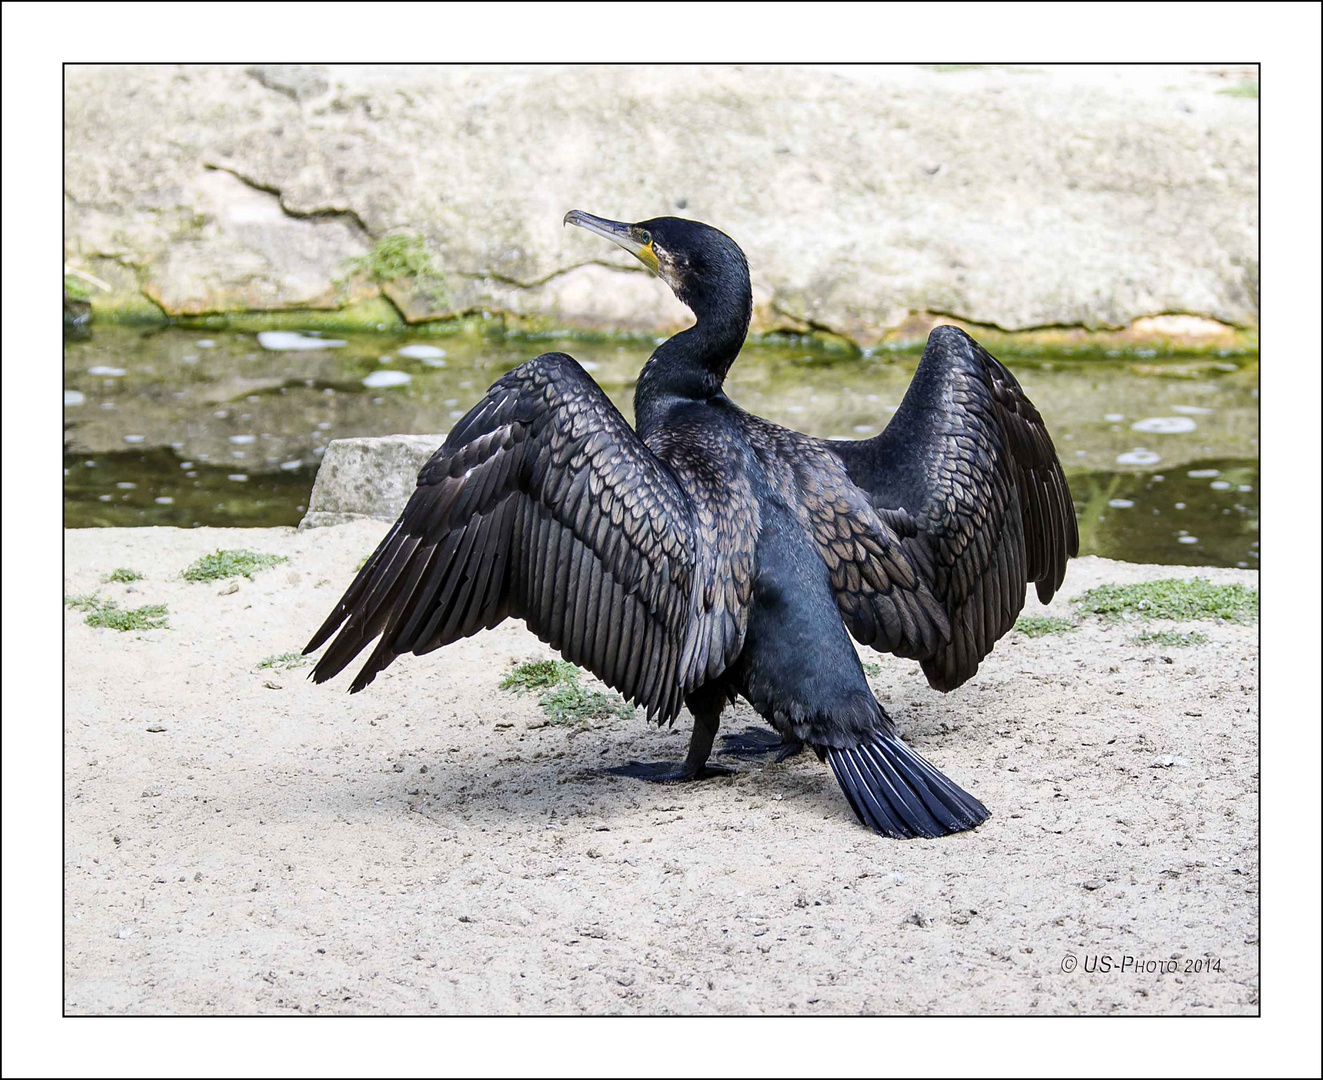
(694, 767)
(758, 742)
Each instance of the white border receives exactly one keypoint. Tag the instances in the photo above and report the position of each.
(38, 37)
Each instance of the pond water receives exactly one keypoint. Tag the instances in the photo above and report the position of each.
(185, 428)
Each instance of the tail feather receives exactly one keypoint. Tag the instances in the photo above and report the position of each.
(897, 793)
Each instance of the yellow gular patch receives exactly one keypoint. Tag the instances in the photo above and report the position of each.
(648, 258)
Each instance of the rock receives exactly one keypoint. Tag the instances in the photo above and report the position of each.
(382, 380)
(367, 478)
(293, 341)
(422, 352)
(77, 316)
(1019, 197)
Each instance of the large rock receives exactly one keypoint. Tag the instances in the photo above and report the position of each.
(367, 478)
(1018, 197)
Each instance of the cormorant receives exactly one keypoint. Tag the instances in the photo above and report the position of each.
(706, 553)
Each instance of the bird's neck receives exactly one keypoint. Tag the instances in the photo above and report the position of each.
(692, 365)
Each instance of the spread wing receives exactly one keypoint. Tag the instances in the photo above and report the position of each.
(544, 504)
(967, 474)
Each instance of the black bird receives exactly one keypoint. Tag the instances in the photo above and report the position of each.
(706, 553)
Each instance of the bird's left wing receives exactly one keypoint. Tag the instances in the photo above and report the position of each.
(966, 471)
(544, 504)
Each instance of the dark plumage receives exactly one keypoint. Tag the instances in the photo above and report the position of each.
(711, 554)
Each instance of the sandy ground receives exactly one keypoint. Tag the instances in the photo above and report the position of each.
(430, 846)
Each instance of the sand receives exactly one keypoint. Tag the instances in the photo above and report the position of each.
(432, 845)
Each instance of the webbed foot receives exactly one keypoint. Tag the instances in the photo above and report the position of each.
(759, 742)
(668, 772)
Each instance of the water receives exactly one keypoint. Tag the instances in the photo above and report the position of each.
(182, 428)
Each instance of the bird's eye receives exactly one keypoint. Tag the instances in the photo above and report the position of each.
(645, 237)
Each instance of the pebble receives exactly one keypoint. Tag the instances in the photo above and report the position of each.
(421, 352)
(293, 341)
(379, 380)
(229, 590)
(1164, 425)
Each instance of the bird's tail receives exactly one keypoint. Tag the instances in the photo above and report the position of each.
(896, 792)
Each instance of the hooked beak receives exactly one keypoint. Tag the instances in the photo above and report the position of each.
(618, 232)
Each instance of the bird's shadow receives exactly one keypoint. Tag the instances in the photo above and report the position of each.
(545, 789)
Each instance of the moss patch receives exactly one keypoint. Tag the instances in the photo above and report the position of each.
(284, 661)
(1172, 598)
(107, 613)
(227, 564)
(571, 703)
(367, 315)
(1041, 625)
(127, 309)
(1173, 638)
(538, 675)
(1247, 89)
(402, 257)
(123, 575)
(564, 699)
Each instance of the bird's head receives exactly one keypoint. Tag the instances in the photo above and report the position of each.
(704, 267)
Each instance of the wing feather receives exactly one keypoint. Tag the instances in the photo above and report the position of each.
(544, 504)
(967, 471)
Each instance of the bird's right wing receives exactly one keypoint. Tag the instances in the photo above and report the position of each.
(543, 503)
